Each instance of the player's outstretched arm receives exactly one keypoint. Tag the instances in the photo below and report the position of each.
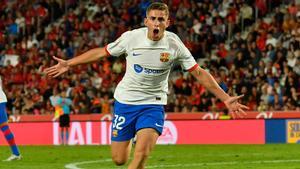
(205, 78)
(63, 65)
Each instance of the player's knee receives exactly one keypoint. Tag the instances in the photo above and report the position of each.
(119, 161)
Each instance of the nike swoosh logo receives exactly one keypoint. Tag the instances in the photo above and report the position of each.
(136, 54)
(158, 125)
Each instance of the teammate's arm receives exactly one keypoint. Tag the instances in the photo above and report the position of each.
(210, 84)
(63, 65)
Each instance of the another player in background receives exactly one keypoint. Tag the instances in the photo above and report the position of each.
(140, 96)
(5, 128)
(62, 106)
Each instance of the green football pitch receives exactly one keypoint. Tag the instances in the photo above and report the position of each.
(270, 156)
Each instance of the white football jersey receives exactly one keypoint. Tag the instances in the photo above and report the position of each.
(2, 94)
(148, 65)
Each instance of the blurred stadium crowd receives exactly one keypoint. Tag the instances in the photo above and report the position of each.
(251, 47)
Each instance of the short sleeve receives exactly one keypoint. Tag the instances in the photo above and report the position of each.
(185, 58)
(118, 47)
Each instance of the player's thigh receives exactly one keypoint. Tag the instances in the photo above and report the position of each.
(152, 117)
(121, 134)
(146, 140)
(123, 122)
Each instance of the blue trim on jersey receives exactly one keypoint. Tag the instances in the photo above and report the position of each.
(128, 119)
(3, 114)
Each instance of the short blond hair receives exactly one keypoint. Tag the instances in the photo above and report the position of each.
(158, 6)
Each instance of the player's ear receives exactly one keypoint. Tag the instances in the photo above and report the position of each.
(168, 23)
(145, 21)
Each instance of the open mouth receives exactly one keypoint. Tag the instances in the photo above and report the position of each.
(155, 31)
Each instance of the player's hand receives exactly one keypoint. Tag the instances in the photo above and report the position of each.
(235, 108)
(58, 69)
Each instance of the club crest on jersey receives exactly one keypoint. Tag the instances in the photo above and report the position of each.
(164, 57)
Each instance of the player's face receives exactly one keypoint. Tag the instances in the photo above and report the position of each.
(157, 21)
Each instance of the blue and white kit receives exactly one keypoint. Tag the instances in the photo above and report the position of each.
(143, 89)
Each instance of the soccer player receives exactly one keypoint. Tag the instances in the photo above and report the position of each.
(5, 128)
(141, 94)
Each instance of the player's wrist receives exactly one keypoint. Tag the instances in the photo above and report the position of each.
(68, 63)
(225, 97)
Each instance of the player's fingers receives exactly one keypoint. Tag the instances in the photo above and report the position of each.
(59, 73)
(238, 114)
(235, 98)
(232, 114)
(57, 59)
(243, 112)
(243, 107)
(50, 70)
(52, 73)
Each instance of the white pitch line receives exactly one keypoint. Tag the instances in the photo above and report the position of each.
(222, 163)
(75, 165)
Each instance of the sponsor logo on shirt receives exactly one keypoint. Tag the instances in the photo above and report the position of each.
(138, 69)
(164, 57)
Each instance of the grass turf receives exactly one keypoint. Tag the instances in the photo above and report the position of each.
(270, 156)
